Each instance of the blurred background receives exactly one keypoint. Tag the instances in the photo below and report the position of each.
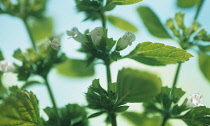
(13, 35)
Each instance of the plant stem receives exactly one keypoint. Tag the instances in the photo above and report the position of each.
(175, 80)
(108, 71)
(164, 120)
(103, 19)
(113, 119)
(30, 34)
(198, 9)
(52, 100)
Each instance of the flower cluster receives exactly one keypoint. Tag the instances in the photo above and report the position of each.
(97, 35)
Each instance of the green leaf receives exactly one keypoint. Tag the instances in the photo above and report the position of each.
(121, 23)
(115, 55)
(121, 108)
(75, 68)
(152, 22)
(137, 86)
(95, 114)
(165, 101)
(177, 93)
(138, 119)
(187, 3)
(3, 90)
(198, 116)
(204, 64)
(97, 97)
(110, 42)
(41, 28)
(125, 2)
(158, 54)
(29, 84)
(1, 56)
(20, 109)
(71, 114)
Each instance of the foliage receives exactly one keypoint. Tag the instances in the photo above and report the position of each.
(128, 89)
(3, 90)
(204, 64)
(41, 28)
(152, 22)
(20, 108)
(37, 63)
(187, 3)
(23, 8)
(70, 115)
(158, 54)
(125, 2)
(142, 119)
(121, 23)
(137, 86)
(166, 104)
(75, 68)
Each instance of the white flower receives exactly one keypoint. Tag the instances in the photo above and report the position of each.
(55, 44)
(76, 35)
(96, 35)
(195, 100)
(5, 66)
(125, 40)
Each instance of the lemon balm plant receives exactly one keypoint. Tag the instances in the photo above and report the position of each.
(20, 107)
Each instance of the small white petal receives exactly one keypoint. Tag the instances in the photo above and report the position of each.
(6, 66)
(73, 33)
(76, 35)
(96, 35)
(195, 100)
(125, 40)
(55, 44)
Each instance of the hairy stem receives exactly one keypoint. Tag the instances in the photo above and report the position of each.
(52, 100)
(198, 9)
(30, 34)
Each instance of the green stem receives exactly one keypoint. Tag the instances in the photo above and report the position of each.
(198, 9)
(30, 34)
(52, 100)
(175, 80)
(164, 120)
(108, 71)
(103, 19)
(113, 119)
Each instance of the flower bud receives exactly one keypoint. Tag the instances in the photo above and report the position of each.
(55, 44)
(195, 26)
(179, 18)
(170, 23)
(96, 35)
(125, 40)
(5, 66)
(171, 26)
(195, 100)
(76, 35)
(200, 35)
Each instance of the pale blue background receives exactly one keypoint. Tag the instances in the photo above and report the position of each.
(72, 90)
